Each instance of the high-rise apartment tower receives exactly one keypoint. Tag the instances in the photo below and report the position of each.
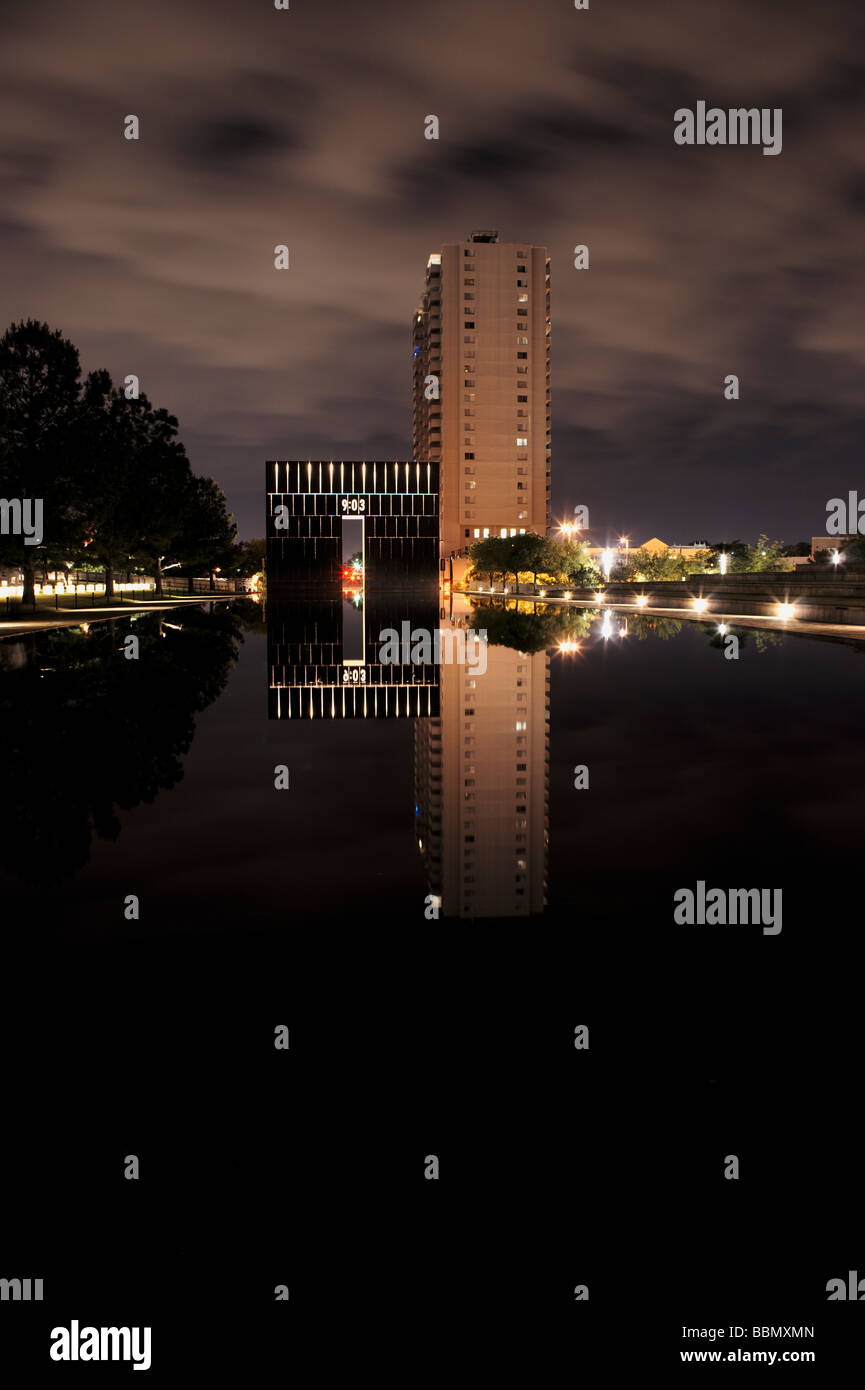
(481, 348)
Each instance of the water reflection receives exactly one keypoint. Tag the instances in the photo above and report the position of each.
(482, 774)
(327, 658)
(481, 732)
(85, 732)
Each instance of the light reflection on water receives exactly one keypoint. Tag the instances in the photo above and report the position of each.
(444, 784)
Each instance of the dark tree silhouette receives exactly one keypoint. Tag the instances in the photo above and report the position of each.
(40, 440)
(85, 732)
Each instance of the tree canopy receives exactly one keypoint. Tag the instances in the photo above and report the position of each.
(112, 476)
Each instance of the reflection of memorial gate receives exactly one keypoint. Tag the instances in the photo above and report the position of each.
(307, 503)
(310, 678)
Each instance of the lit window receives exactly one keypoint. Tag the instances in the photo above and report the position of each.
(522, 299)
(522, 441)
(521, 724)
(477, 533)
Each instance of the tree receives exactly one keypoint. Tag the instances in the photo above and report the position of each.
(160, 490)
(758, 558)
(40, 453)
(535, 553)
(643, 566)
(852, 550)
(248, 557)
(108, 431)
(209, 533)
(490, 556)
(578, 565)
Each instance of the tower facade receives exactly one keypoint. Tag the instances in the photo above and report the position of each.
(481, 364)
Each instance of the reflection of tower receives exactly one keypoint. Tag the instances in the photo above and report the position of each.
(482, 787)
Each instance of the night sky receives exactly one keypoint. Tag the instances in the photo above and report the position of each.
(306, 127)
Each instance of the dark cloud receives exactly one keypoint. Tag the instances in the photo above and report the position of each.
(307, 127)
(230, 142)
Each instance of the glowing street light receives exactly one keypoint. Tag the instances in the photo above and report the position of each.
(786, 610)
(642, 600)
(625, 541)
(836, 557)
(701, 604)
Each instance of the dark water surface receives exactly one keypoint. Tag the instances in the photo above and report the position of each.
(414, 1035)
